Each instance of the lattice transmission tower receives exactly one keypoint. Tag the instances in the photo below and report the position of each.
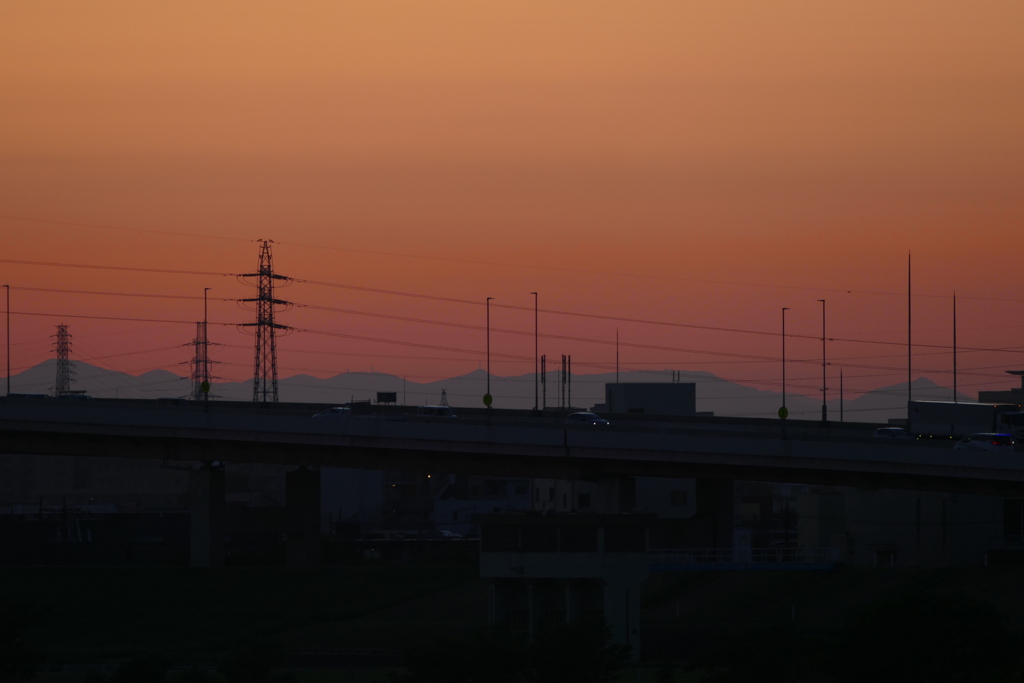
(65, 368)
(200, 364)
(201, 375)
(264, 378)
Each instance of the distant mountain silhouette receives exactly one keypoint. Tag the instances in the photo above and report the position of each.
(714, 394)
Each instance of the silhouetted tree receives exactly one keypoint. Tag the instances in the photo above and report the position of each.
(146, 668)
(484, 657)
(573, 653)
(665, 673)
(927, 637)
(917, 637)
(580, 652)
(18, 660)
(257, 662)
(764, 655)
(193, 675)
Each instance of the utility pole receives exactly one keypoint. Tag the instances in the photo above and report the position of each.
(8, 288)
(562, 400)
(569, 383)
(840, 394)
(910, 358)
(954, 348)
(264, 379)
(488, 399)
(824, 388)
(536, 352)
(544, 382)
(784, 309)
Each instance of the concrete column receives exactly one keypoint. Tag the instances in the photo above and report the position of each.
(499, 599)
(206, 492)
(715, 505)
(302, 517)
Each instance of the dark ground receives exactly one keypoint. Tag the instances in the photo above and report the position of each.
(89, 615)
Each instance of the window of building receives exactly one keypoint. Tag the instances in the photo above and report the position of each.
(583, 501)
(678, 498)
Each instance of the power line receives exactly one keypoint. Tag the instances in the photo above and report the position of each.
(478, 353)
(528, 266)
(520, 308)
(128, 294)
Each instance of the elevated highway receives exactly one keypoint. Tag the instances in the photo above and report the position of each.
(503, 443)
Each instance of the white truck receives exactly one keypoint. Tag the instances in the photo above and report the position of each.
(946, 419)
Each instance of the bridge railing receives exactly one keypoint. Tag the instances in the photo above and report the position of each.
(742, 555)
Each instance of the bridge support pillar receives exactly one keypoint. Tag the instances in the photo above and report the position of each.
(206, 491)
(302, 517)
(715, 506)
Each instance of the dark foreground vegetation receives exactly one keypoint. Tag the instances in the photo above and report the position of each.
(426, 623)
(919, 636)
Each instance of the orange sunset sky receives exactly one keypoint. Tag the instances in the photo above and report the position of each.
(699, 162)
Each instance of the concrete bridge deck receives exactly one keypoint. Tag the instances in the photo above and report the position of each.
(504, 443)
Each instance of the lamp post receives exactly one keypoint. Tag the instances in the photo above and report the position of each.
(824, 389)
(784, 309)
(487, 399)
(536, 351)
(840, 393)
(8, 288)
(206, 351)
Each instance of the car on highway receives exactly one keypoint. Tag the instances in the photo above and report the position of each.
(451, 535)
(336, 411)
(986, 441)
(893, 433)
(443, 412)
(585, 419)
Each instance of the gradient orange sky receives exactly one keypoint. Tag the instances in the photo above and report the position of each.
(703, 162)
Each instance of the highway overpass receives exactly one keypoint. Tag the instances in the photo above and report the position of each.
(514, 443)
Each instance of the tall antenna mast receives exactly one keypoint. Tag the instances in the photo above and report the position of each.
(65, 369)
(954, 348)
(910, 356)
(264, 378)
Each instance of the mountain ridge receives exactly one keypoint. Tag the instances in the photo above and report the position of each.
(714, 394)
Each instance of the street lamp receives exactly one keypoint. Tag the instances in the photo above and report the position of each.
(824, 404)
(206, 352)
(8, 288)
(536, 352)
(784, 309)
(487, 398)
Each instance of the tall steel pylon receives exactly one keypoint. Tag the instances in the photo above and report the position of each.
(65, 369)
(201, 358)
(200, 363)
(264, 378)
